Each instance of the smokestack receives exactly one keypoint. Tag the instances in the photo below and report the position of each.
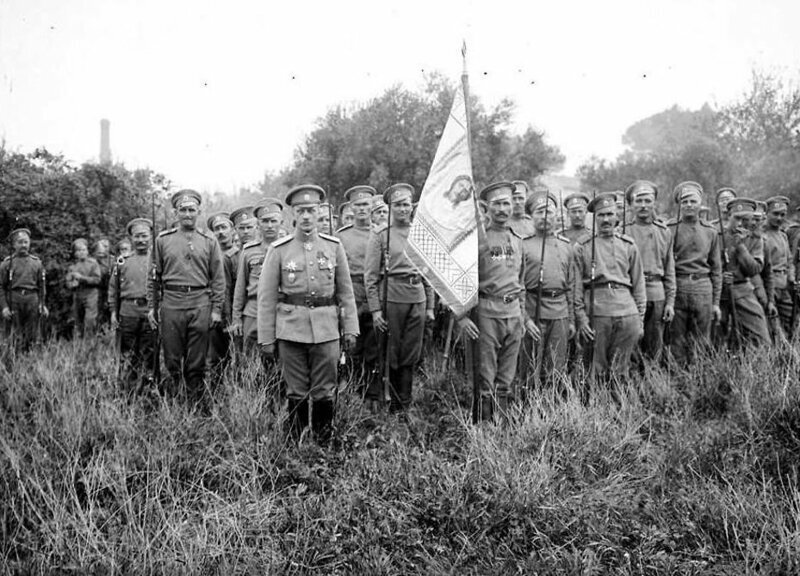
(105, 141)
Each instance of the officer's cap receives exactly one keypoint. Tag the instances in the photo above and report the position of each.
(185, 197)
(359, 193)
(538, 200)
(602, 200)
(576, 199)
(640, 188)
(397, 192)
(779, 202)
(138, 223)
(16, 232)
(520, 187)
(241, 214)
(217, 218)
(80, 242)
(268, 206)
(741, 206)
(377, 204)
(305, 194)
(685, 189)
(761, 208)
(726, 192)
(326, 208)
(497, 191)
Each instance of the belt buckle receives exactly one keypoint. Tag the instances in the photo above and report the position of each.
(693, 277)
(309, 302)
(508, 298)
(186, 289)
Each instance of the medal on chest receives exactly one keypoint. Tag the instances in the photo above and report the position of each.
(291, 269)
(307, 246)
(324, 263)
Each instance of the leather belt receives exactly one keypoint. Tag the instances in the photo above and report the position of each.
(694, 275)
(25, 291)
(548, 293)
(505, 299)
(307, 300)
(653, 278)
(183, 288)
(737, 282)
(412, 279)
(137, 301)
(609, 285)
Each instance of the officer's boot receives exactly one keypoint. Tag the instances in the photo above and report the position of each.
(485, 409)
(406, 376)
(296, 418)
(504, 404)
(395, 404)
(322, 420)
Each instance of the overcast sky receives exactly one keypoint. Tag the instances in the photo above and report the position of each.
(215, 93)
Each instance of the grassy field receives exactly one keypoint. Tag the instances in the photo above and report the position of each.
(692, 473)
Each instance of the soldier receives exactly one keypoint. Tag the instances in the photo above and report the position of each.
(324, 224)
(245, 294)
(83, 278)
(305, 282)
(780, 256)
(219, 337)
(409, 300)
(346, 214)
(354, 238)
(520, 222)
(501, 319)
(556, 316)
(698, 274)
(654, 242)
(245, 224)
(127, 301)
(724, 195)
(188, 269)
(615, 273)
(743, 262)
(106, 262)
(124, 248)
(22, 291)
(763, 281)
(379, 213)
(576, 211)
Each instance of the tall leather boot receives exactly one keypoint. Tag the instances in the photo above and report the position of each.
(395, 405)
(485, 409)
(296, 418)
(322, 420)
(406, 378)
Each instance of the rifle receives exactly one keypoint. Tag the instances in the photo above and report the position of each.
(793, 319)
(593, 275)
(624, 213)
(561, 208)
(733, 335)
(448, 341)
(386, 255)
(538, 314)
(667, 334)
(156, 287)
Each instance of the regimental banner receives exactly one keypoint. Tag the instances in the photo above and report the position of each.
(443, 241)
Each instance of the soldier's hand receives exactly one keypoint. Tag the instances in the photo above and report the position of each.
(235, 329)
(586, 332)
(532, 329)
(44, 311)
(216, 319)
(571, 331)
(772, 310)
(430, 316)
(114, 321)
(151, 318)
(379, 322)
(727, 278)
(7, 313)
(469, 328)
(268, 352)
(669, 313)
(349, 342)
(716, 313)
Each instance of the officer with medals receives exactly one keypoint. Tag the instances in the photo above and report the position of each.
(305, 303)
(189, 272)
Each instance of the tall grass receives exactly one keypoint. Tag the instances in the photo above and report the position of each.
(690, 472)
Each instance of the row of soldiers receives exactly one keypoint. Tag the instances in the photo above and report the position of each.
(598, 296)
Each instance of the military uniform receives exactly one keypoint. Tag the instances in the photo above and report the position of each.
(127, 299)
(245, 293)
(190, 272)
(557, 312)
(22, 292)
(654, 242)
(305, 302)
(698, 278)
(354, 239)
(522, 225)
(219, 337)
(84, 277)
(779, 253)
(743, 263)
(408, 298)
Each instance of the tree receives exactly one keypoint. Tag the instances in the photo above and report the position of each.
(393, 138)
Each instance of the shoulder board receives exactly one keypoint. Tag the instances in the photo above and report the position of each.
(792, 225)
(345, 227)
(563, 238)
(527, 217)
(661, 224)
(167, 232)
(206, 233)
(380, 228)
(329, 238)
(279, 241)
(624, 237)
(585, 239)
(712, 224)
(251, 244)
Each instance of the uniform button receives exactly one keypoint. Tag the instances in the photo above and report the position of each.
(312, 277)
